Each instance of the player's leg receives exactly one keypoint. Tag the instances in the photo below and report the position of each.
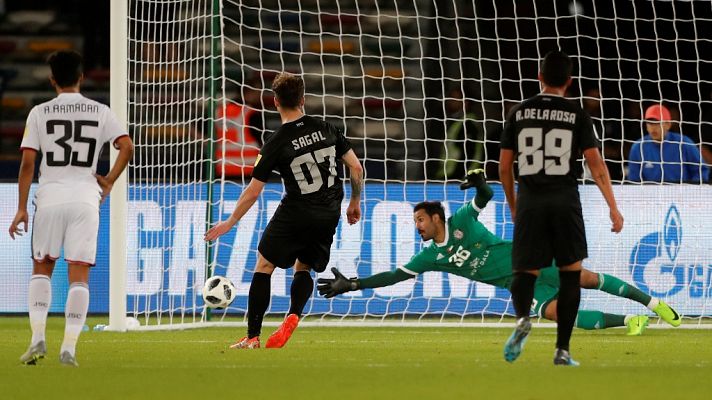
(530, 251)
(277, 248)
(617, 287)
(566, 310)
(612, 285)
(523, 292)
(545, 300)
(636, 324)
(257, 303)
(570, 248)
(593, 320)
(39, 300)
(522, 296)
(313, 255)
(75, 310)
(301, 289)
(300, 292)
(259, 295)
(80, 253)
(47, 239)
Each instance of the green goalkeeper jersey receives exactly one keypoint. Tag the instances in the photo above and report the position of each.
(469, 250)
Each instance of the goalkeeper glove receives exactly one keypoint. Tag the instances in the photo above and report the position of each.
(340, 284)
(475, 178)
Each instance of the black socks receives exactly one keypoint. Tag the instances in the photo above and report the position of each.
(523, 293)
(301, 291)
(257, 303)
(567, 306)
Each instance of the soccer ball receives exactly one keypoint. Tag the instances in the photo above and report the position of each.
(218, 292)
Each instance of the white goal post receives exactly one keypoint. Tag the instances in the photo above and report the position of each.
(421, 89)
(119, 199)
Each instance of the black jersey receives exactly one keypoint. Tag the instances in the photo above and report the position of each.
(548, 135)
(306, 153)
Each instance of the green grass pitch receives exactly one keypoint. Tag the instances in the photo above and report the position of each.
(357, 363)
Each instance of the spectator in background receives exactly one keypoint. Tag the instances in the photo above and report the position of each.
(663, 155)
(464, 145)
(240, 143)
(706, 129)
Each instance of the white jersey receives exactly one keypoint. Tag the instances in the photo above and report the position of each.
(69, 131)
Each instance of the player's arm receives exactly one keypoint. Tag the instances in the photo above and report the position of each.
(264, 165)
(126, 148)
(341, 284)
(24, 181)
(603, 181)
(506, 175)
(476, 178)
(244, 203)
(353, 212)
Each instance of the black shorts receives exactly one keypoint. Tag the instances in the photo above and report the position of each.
(548, 233)
(297, 232)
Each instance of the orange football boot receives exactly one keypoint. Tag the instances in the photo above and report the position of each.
(247, 343)
(280, 337)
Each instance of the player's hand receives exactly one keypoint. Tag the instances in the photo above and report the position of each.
(617, 220)
(475, 178)
(105, 184)
(219, 230)
(20, 218)
(353, 212)
(340, 284)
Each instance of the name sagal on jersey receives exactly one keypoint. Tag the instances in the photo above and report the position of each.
(307, 140)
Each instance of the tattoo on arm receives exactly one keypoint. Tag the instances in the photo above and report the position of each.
(356, 185)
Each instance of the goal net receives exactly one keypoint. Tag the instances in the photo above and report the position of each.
(421, 89)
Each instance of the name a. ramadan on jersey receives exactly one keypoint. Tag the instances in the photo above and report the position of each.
(71, 108)
(306, 140)
(546, 115)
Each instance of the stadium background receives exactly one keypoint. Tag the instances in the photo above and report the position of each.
(644, 60)
(633, 54)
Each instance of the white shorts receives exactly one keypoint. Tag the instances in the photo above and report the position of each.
(72, 226)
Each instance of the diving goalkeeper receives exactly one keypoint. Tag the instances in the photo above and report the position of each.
(464, 247)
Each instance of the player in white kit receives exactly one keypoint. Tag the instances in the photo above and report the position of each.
(69, 131)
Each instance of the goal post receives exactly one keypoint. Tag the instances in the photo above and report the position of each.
(118, 199)
(421, 90)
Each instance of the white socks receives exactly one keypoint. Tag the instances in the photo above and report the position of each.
(75, 313)
(38, 300)
(653, 303)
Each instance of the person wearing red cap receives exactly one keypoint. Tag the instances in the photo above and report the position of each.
(663, 155)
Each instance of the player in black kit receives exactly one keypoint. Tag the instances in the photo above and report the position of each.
(305, 151)
(547, 134)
